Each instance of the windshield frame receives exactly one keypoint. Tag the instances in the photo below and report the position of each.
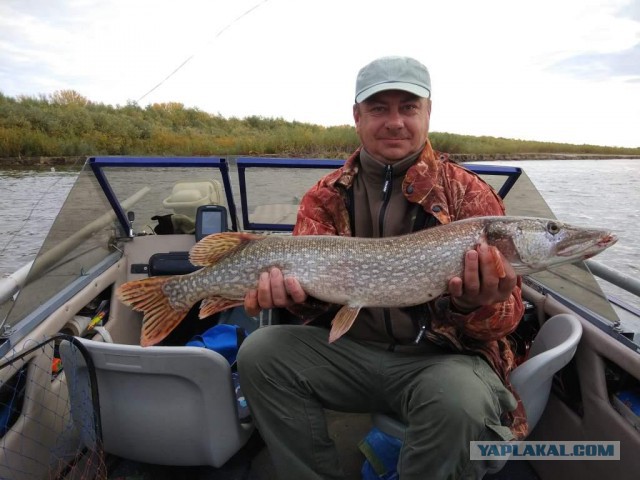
(246, 163)
(97, 164)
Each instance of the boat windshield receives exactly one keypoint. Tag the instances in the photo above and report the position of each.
(80, 238)
(115, 198)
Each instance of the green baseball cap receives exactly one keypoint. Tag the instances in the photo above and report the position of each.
(393, 73)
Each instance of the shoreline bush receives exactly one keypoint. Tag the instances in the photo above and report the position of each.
(67, 124)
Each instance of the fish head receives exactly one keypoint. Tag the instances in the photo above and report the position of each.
(534, 244)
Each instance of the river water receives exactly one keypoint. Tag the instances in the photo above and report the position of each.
(598, 193)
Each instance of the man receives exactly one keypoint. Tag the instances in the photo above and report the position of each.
(441, 367)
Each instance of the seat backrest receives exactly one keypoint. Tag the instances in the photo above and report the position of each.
(552, 349)
(186, 197)
(160, 405)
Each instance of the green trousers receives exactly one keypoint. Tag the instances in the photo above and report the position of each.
(290, 374)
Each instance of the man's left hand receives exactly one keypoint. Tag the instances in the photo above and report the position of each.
(488, 278)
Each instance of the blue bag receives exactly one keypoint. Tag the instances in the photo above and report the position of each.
(222, 338)
(226, 340)
(382, 452)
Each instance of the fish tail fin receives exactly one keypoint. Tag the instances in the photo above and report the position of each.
(159, 317)
(342, 322)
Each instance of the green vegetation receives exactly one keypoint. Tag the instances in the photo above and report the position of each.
(67, 124)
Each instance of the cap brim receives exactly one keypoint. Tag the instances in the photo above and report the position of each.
(418, 90)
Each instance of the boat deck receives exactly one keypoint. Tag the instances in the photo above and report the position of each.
(253, 463)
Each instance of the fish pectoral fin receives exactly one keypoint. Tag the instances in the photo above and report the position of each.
(497, 260)
(159, 317)
(211, 306)
(213, 248)
(342, 322)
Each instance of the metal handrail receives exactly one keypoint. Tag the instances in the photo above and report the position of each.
(619, 279)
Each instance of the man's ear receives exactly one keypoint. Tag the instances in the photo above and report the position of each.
(356, 115)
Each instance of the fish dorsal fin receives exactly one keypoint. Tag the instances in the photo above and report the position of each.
(213, 248)
(211, 306)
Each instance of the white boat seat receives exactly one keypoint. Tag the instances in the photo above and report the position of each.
(552, 349)
(186, 197)
(159, 405)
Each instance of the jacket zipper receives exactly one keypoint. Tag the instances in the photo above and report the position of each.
(387, 186)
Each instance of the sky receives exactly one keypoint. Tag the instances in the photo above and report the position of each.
(549, 70)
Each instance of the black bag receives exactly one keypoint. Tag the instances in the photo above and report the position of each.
(171, 263)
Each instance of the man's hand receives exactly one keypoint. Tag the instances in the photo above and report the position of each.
(274, 290)
(488, 278)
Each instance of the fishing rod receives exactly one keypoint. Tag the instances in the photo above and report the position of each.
(220, 32)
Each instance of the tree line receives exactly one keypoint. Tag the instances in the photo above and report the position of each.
(67, 124)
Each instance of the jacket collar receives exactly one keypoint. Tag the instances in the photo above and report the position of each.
(422, 184)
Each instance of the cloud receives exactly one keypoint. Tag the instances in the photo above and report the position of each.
(609, 47)
(36, 41)
(298, 60)
(631, 11)
(602, 66)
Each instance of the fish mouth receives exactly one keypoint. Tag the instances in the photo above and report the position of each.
(607, 241)
(587, 249)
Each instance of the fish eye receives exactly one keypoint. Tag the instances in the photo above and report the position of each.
(553, 228)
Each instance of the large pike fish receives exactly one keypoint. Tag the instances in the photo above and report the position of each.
(355, 272)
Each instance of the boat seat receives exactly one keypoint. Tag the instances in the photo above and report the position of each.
(552, 349)
(186, 197)
(158, 405)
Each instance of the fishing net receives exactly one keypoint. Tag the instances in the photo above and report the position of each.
(49, 422)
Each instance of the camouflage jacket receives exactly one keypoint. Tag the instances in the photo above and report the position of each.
(449, 192)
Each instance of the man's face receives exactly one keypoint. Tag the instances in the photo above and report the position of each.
(392, 124)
